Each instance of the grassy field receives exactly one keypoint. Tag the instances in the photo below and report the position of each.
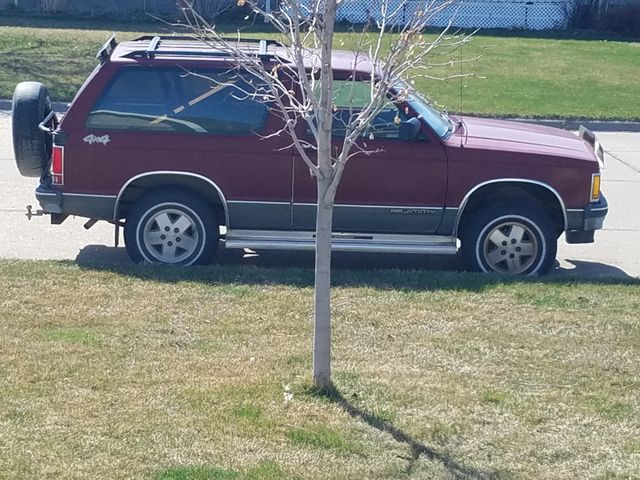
(203, 373)
(515, 76)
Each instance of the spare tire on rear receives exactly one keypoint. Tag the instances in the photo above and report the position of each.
(31, 146)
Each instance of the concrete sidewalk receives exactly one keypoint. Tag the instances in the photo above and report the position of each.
(616, 252)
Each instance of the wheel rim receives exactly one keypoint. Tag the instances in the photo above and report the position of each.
(171, 236)
(510, 248)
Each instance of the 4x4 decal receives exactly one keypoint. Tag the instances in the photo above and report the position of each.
(92, 139)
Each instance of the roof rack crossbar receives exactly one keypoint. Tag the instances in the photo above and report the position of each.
(263, 48)
(107, 49)
(189, 53)
(268, 42)
(153, 46)
(175, 45)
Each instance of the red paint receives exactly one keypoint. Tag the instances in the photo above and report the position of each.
(432, 173)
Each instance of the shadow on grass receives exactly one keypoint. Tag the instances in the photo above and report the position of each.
(380, 271)
(417, 449)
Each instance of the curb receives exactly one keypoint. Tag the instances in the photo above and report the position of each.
(565, 124)
(5, 105)
(593, 125)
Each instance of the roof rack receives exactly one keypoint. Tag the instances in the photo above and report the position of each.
(107, 49)
(153, 49)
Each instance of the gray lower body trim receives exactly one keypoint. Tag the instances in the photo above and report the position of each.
(342, 242)
(91, 206)
(372, 218)
(448, 221)
(255, 215)
(259, 215)
(51, 202)
(575, 219)
(589, 218)
(81, 205)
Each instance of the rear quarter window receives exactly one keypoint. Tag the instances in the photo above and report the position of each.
(176, 100)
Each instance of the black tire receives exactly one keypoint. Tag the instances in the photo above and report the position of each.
(31, 146)
(192, 236)
(510, 238)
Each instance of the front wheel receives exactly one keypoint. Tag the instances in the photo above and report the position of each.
(171, 227)
(513, 238)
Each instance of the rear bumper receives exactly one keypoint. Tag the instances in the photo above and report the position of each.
(79, 204)
(49, 200)
(582, 223)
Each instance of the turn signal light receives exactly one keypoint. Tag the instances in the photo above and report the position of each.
(595, 187)
(57, 165)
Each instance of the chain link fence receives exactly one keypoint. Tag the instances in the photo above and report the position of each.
(511, 14)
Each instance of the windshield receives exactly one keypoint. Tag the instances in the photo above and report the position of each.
(437, 120)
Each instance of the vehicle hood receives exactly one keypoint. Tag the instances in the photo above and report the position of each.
(489, 134)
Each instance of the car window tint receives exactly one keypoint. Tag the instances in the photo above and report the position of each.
(347, 93)
(349, 97)
(174, 100)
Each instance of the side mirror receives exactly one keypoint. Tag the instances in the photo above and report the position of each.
(409, 130)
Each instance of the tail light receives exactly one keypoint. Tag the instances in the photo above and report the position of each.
(57, 165)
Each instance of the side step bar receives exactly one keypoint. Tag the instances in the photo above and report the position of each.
(342, 242)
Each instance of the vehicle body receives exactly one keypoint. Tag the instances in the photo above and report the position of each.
(152, 143)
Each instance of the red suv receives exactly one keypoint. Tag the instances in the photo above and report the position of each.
(158, 141)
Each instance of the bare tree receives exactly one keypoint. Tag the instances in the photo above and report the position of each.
(211, 9)
(391, 50)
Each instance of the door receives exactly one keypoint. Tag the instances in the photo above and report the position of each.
(399, 188)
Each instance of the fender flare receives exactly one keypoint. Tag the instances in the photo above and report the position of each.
(477, 187)
(170, 173)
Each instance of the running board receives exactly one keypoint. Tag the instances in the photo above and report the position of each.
(342, 242)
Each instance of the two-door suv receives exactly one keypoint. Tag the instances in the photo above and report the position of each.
(159, 141)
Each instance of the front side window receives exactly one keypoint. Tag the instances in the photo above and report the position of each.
(349, 98)
(175, 100)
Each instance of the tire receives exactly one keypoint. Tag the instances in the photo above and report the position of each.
(171, 227)
(510, 238)
(31, 146)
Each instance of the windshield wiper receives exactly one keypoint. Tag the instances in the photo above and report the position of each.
(452, 125)
(445, 116)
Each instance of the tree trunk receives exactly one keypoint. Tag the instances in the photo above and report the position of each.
(322, 300)
(324, 217)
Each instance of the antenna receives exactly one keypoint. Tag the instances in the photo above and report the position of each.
(461, 77)
(461, 89)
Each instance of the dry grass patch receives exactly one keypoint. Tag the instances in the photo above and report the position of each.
(159, 373)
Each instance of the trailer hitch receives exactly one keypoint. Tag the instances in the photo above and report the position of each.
(30, 213)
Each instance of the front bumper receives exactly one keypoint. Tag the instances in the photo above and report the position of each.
(582, 223)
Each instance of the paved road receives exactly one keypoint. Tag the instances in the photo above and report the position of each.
(615, 253)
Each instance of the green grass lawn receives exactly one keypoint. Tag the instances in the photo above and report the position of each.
(141, 372)
(515, 76)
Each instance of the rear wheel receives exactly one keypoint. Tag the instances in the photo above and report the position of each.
(31, 146)
(173, 227)
(514, 238)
